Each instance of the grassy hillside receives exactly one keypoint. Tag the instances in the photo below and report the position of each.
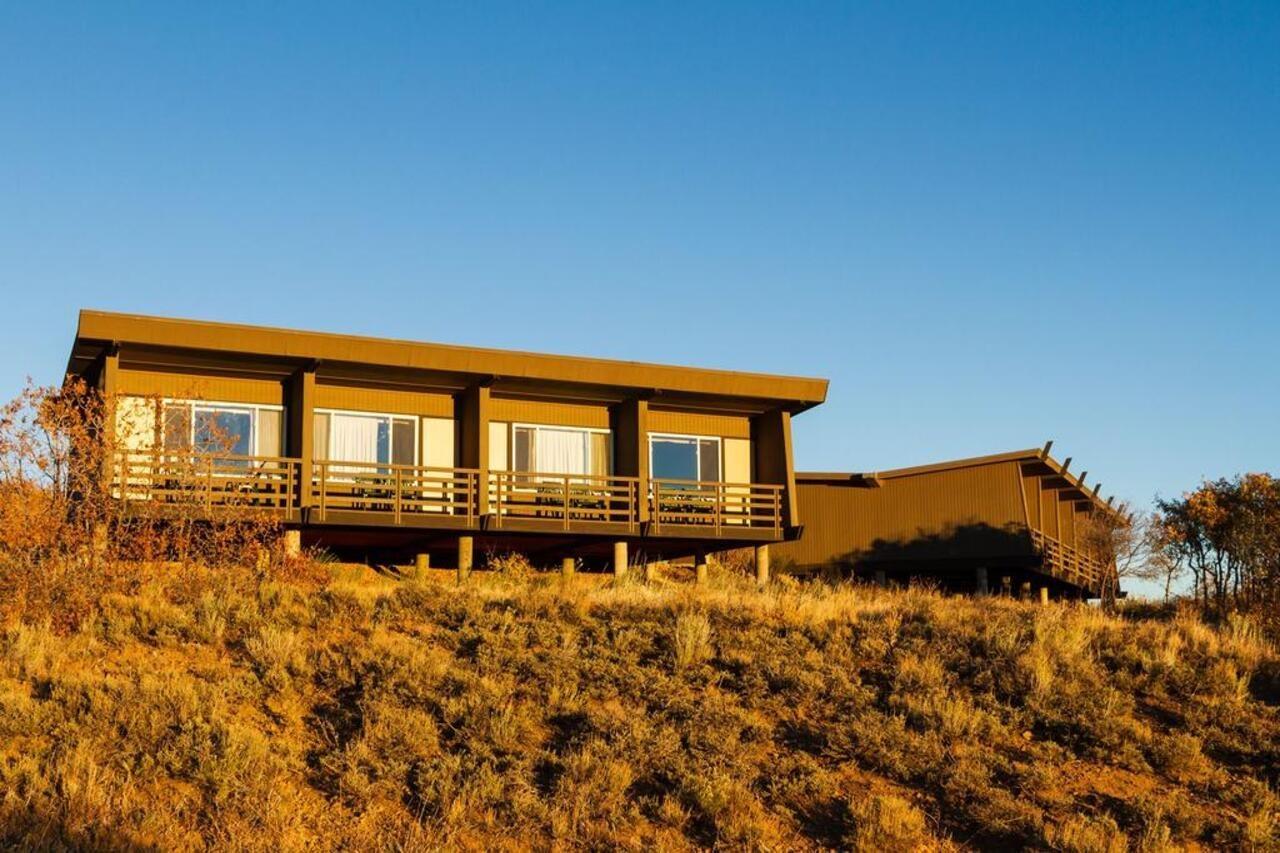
(210, 711)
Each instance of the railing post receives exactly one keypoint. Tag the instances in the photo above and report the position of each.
(567, 500)
(719, 490)
(399, 485)
(324, 487)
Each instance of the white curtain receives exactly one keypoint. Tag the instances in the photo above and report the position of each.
(353, 439)
(561, 452)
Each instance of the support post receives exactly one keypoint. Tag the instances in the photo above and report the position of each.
(700, 569)
(421, 564)
(773, 465)
(473, 439)
(1006, 586)
(568, 565)
(1044, 595)
(1025, 592)
(762, 565)
(882, 580)
(293, 543)
(619, 559)
(980, 581)
(466, 552)
(629, 421)
(300, 439)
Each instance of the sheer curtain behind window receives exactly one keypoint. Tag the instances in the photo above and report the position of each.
(561, 452)
(353, 439)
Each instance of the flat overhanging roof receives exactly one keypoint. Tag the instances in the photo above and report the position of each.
(98, 331)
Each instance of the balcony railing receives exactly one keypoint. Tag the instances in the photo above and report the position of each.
(399, 491)
(205, 481)
(380, 493)
(1068, 563)
(564, 500)
(720, 507)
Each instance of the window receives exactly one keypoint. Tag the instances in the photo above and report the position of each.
(366, 437)
(684, 457)
(226, 429)
(560, 450)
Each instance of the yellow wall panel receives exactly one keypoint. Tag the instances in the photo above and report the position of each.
(550, 413)
(184, 386)
(384, 401)
(699, 423)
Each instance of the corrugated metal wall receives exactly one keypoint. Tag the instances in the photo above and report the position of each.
(964, 512)
(185, 386)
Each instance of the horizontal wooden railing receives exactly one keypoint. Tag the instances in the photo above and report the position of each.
(1068, 563)
(721, 507)
(205, 480)
(397, 490)
(566, 500)
(403, 492)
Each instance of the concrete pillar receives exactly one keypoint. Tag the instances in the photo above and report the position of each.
(882, 579)
(1044, 595)
(980, 580)
(568, 565)
(293, 543)
(1025, 592)
(1006, 586)
(700, 569)
(619, 559)
(466, 553)
(762, 565)
(422, 563)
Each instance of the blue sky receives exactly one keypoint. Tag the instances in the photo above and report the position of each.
(916, 201)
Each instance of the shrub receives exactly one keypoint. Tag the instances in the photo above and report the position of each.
(691, 639)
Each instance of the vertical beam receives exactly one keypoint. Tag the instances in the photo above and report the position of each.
(629, 421)
(1044, 595)
(473, 438)
(700, 568)
(109, 428)
(422, 564)
(762, 565)
(568, 565)
(773, 461)
(980, 581)
(619, 559)
(301, 413)
(109, 372)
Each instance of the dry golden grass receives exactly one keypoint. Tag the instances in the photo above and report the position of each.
(527, 710)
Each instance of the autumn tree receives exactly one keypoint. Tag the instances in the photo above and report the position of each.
(1226, 535)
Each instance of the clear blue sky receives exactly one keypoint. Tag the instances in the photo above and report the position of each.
(915, 201)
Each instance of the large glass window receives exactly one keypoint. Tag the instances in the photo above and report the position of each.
(560, 450)
(361, 437)
(222, 428)
(684, 457)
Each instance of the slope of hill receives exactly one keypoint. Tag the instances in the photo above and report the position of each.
(201, 711)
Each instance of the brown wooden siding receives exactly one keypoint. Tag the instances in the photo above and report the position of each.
(551, 413)
(699, 423)
(188, 386)
(384, 401)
